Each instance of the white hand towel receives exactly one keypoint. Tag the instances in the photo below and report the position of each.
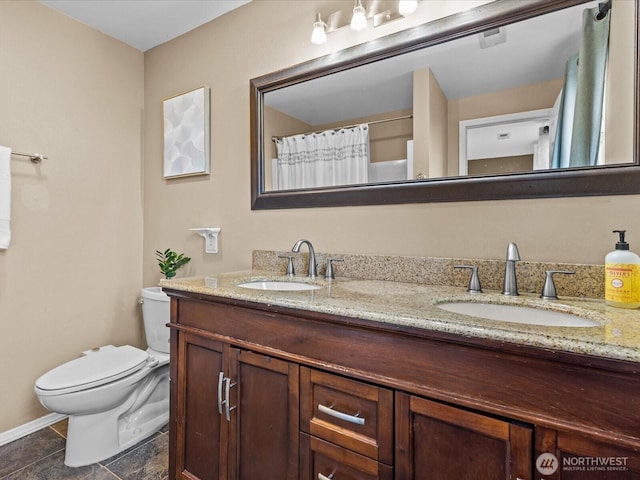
(5, 197)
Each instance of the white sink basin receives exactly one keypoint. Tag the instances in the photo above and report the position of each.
(279, 286)
(518, 314)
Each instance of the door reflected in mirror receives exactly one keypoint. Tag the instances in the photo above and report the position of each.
(518, 142)
(411, 116)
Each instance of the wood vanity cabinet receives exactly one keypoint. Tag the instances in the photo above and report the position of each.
(313, 396)
(235, 413)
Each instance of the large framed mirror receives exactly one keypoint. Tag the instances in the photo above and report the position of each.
(427, 112)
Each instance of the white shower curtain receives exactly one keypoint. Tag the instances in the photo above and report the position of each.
(578, 133)
(329, 158)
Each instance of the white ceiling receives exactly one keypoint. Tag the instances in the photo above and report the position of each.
(144, 24)
(535, 51)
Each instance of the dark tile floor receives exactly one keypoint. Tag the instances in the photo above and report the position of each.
(40, 456)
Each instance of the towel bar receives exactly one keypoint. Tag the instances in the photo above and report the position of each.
(34, 157)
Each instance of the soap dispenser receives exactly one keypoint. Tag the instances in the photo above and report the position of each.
(622, 276)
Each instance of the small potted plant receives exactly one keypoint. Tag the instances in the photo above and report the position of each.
(170, 261)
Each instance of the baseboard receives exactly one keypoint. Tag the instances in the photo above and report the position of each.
(30, 427)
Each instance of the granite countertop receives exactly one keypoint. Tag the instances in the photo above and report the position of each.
(617, 335)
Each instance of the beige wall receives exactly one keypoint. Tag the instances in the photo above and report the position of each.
(619, 85)
(486, 166)
(72, 275)
(277, 124)
(265, 36)
(388, 140)
(438, 128)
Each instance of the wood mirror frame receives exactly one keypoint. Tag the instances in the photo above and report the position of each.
(622, 179)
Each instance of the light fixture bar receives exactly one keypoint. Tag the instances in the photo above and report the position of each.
(386, 17)
(379, 11)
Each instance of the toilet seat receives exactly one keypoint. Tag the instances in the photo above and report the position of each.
(92, 370)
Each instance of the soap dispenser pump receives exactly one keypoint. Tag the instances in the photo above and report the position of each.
(622, 275)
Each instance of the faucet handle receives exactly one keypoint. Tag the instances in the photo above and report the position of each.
(329, 273)
(474, 280)
(549, 288)
(290, 270)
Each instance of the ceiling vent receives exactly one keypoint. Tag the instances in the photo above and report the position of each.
(493, 37)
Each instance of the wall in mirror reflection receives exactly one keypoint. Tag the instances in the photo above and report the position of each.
(426, 136)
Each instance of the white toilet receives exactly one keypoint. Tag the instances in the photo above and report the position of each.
(114, 396)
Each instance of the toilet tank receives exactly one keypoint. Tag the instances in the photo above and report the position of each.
(156, 315)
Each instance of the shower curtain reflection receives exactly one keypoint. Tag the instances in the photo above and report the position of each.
(329, 158)
(579, 131)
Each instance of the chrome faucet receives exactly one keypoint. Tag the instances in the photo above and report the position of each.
(313, 269)
(510, 285)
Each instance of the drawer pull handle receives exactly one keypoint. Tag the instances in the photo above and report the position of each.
(224, 384)
(220, 380)
(342, 416)
(323, 477)
(228, 408)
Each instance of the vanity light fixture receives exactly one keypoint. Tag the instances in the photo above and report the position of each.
(319, 33)
(359, 17)
(407, 7)
(377, 12)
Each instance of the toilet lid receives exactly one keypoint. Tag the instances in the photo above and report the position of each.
(94, 369)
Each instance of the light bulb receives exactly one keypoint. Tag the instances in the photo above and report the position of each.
(319, 33)
(407, 7)
(359, 18)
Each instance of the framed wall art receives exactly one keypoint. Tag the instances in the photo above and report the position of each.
(186, 134)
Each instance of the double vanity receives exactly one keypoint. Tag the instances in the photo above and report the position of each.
(380, 375)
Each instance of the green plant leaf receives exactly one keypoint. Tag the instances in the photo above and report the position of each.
(169, 261)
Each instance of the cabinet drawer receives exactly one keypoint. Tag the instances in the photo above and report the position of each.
(348, 413)
(321, 460)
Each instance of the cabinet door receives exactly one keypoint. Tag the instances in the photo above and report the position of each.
(570, 456)
(437, 441)
(200, 451)
(264, 433)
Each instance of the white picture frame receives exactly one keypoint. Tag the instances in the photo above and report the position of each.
(186, 134)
